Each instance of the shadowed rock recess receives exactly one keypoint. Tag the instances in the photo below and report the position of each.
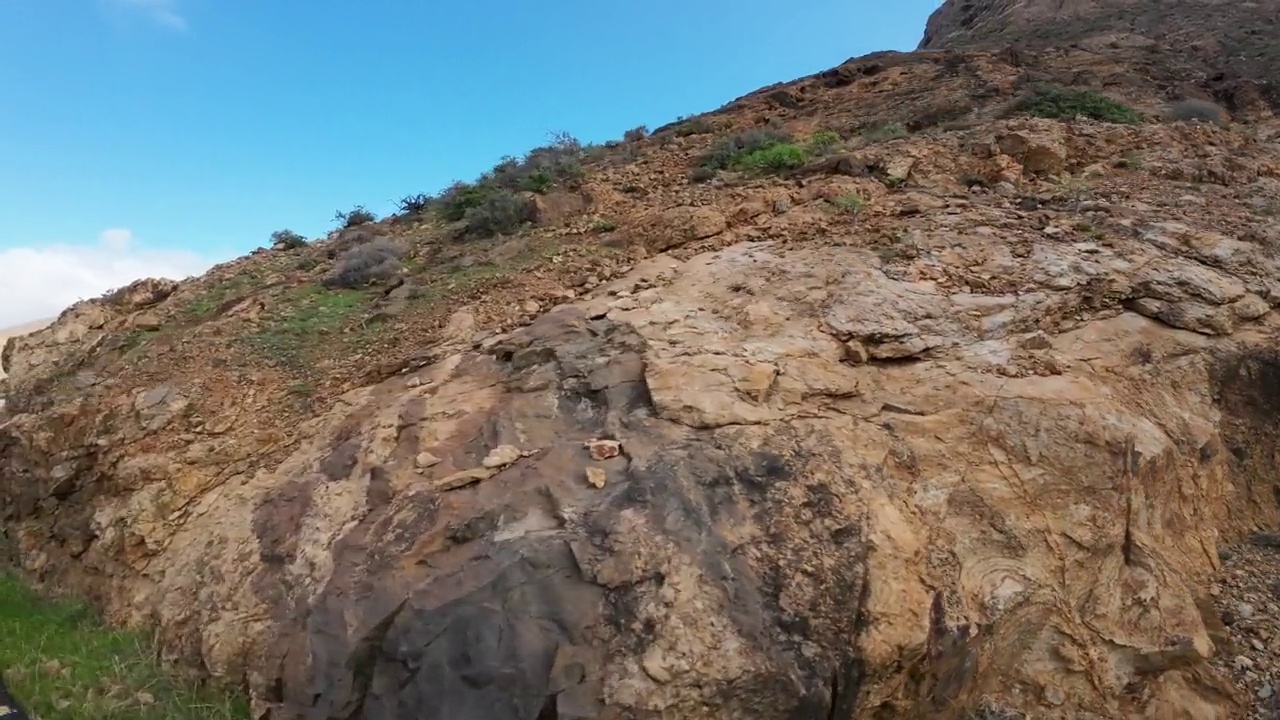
(949, 419)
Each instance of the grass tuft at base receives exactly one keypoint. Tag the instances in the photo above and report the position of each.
(63, 664)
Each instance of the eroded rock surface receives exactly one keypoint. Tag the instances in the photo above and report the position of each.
(745, 450)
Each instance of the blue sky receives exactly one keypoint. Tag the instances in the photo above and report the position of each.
(188, 130)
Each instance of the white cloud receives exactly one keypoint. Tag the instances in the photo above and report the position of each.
(39, 282)
(164, 12)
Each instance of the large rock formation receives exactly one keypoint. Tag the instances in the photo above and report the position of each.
(1190, 40)
(757, 451)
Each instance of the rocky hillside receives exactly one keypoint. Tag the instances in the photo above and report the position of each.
(934, 385)
(1214, 43)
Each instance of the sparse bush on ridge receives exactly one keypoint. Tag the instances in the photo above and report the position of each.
(822, 142)
(375, 260)
(500, 212)
(353, 217)
(763, 149)
(635, 134)
(726, 150)
(414, 204)
(1067, 103)
(287, 240)
(1195, 110)
(557, 164)
(692, 126)
(783, 156)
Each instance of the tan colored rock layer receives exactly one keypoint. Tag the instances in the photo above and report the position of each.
(17, 331)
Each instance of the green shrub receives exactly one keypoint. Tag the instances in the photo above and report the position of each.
(849, 203)
(460, 197)
(375, 260)
(500, 212)
(287, 240)
(822, 142)
(1068, 103)
(783, 156)
(542, 168)
(693, 126)
(1195, 111)
(727, 150)
(353, 217)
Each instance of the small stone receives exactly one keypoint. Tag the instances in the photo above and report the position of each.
(603, 449)
(532, 306)
(1215, 591)
(1265, 691)
(1245, 610)
(1257, 644)
(1037, 341)
(1053, 230)
(1054, 696)
(1242, 663)
(1228, 618)
(1225, 555)
(425, 460)
(596, 477)
(856, 353)
(501, 456)
(414, 382)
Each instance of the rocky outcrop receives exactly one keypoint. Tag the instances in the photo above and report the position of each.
(981, 463)
(954, 423)
(1230, 44)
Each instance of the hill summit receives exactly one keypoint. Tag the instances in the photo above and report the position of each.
(939, 384)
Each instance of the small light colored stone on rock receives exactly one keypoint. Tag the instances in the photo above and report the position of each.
(1244, 610)
(501, 456)
(425, 460)
(603, 449)
(596, 477)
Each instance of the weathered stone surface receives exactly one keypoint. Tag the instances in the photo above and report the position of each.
(969, 450)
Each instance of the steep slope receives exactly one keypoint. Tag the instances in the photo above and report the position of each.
(939, 410)
(1186, 41)
(22, 329)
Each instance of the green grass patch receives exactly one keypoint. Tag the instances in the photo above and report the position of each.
(822, 142)
(848, 203)
(207, 303)
(1058, 103)
(63, 664)
(309, 315)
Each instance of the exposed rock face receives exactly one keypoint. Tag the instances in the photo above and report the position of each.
(954, 420)
(1234, 40)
